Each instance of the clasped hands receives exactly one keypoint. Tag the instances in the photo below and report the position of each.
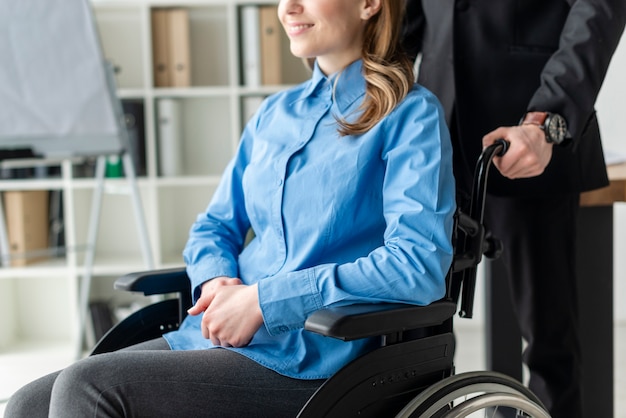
(528, 155)
(231, 313)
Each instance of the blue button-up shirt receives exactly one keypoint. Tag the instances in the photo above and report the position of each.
(337, 220)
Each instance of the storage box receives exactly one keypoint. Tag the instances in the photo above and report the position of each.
(26, 214)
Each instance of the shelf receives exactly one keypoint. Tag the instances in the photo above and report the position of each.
(32, 184)
(52, 268)
(131, 93)
(213, 109)
(192, 92)
(184, 181)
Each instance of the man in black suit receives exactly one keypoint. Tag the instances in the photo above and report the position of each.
(528, 71)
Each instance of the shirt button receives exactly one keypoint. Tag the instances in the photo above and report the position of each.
(280, 182)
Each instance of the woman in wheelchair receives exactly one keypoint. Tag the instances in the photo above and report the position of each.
(346, 181)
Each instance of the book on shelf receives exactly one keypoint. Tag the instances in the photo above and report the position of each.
(170, 134)
(270, 37)
(179, 52)
(135, 125)
(56, 224)
(26, 213)
(250, 48)
(171, 53)
(159, 48)
(261, 45)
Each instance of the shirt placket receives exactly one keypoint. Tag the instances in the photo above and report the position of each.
(308, 118)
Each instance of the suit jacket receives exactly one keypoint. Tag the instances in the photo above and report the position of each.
(491, 61)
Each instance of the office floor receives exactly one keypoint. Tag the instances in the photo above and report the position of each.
(24, 363)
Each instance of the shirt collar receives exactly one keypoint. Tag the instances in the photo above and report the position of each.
(317, 80)
(349, 84)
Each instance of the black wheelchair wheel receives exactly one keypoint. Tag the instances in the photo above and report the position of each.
(445, 398)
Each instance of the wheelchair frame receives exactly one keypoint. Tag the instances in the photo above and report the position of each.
(411, 373)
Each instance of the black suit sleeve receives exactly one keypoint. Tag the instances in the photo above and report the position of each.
(572, 77)
(413, 28)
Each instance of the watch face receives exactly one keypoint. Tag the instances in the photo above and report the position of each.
(556, 129)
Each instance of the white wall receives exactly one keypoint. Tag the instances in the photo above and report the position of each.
(7, 313)
(611, 106)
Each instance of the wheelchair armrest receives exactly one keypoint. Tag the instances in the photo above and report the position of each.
(371, 320)
(155, 282)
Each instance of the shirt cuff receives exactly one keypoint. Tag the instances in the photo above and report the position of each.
(209, 268)
(287, 300)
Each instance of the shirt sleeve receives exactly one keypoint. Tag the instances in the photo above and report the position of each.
(418, 204)
(572, 77)
(413, 28)
(217, 236)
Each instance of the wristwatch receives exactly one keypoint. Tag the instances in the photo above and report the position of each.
(552, 124)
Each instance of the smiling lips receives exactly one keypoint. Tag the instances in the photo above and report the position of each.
(295, 29)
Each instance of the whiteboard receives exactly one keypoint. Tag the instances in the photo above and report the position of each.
(56, 97)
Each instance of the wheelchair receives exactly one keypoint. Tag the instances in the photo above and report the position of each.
(411, 373)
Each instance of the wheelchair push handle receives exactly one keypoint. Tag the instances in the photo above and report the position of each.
(489, 245)
(481, 173)
(502, 146)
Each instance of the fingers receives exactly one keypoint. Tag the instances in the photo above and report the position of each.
(223, 333)
(201, 304)
(233, 317)
(196, 309)
(209, 289)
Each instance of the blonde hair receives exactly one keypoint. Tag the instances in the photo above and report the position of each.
(387, 70)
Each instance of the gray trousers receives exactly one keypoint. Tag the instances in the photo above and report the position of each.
(150, 380)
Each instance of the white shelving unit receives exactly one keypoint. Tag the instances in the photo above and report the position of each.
(40, 300)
